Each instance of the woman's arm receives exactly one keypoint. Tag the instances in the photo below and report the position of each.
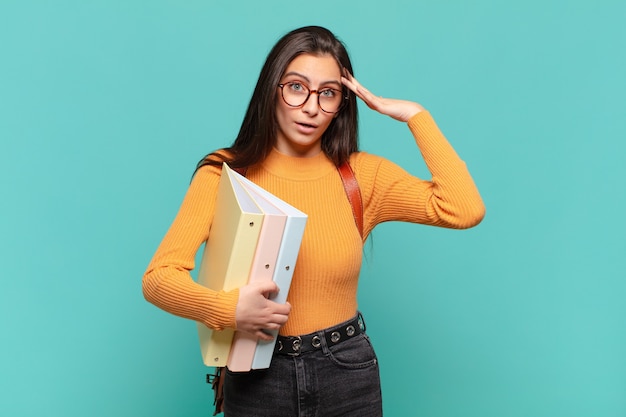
(168, 284)
(449, 199)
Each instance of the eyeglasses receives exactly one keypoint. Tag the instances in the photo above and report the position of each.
(295, 94)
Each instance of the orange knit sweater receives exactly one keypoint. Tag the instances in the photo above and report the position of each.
(324, 286)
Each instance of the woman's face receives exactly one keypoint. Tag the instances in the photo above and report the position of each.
(300, 129)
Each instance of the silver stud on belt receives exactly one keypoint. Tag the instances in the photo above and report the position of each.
(316, 341)
(297, 344)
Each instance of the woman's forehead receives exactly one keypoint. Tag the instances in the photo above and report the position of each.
(315, 68)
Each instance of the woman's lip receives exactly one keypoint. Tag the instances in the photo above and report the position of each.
(305, 127)
(306, 124)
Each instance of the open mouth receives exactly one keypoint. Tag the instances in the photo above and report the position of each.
(306, 125)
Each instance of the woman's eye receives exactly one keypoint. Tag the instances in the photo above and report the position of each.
(297, 87)
(329, 93)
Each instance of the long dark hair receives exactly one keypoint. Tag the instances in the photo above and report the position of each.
(258, 131)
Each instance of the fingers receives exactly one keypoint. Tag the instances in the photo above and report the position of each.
(276, 321)
(401, 110)
(279, 309)
(267, 288)
(349, 81)
(363, 93)
(263, 335)
(262, 331)
(256, 313)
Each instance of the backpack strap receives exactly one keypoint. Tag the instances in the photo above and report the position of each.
(353, 192)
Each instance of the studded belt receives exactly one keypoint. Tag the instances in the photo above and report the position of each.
(296, 345)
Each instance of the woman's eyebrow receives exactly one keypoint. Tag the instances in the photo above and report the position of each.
(308, 80)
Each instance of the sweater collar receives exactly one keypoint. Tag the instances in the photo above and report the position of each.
(297, 168)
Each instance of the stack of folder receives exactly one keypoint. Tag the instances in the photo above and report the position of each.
(254, 236)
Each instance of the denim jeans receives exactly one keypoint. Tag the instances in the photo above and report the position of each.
(340, 380)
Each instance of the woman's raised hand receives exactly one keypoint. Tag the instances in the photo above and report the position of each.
(401, 110)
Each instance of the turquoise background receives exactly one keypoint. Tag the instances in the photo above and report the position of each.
(106, 106)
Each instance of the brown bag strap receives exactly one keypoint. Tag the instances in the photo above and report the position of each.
(353, 192)
(217, 384)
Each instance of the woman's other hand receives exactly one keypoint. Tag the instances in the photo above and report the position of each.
(256, 313)
(401, 110)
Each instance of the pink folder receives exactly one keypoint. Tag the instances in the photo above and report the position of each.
(263, 266)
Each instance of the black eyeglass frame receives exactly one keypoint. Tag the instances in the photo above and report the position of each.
(344, 98)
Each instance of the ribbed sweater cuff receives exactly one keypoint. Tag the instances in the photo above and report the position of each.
(422, 123)
(221, 313)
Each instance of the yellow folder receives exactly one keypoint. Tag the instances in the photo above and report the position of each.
(228, 256)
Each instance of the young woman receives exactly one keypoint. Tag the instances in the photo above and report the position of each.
(300, 126)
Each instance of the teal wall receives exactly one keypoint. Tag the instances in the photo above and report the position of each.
(105, 107)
